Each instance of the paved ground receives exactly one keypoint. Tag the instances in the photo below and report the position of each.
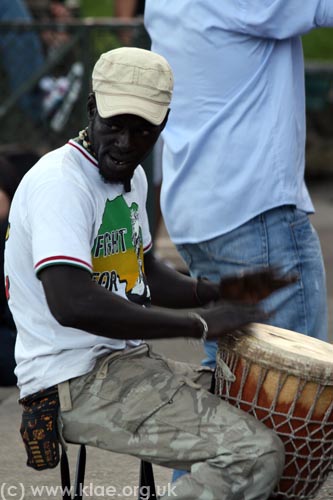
(120, 473)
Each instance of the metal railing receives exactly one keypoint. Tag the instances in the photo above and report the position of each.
(44, 85)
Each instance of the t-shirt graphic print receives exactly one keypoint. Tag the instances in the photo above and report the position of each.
(117, 253)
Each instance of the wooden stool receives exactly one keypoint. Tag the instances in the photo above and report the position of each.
(146, 476)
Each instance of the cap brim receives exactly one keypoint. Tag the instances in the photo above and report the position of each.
(115, 104)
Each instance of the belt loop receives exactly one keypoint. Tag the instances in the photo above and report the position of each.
(104, 366)
(103, 370)
(65, 396)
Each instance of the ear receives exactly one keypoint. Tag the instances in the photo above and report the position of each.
(91, 106)
(164, 122)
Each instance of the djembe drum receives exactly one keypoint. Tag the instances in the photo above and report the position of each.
(285, 380)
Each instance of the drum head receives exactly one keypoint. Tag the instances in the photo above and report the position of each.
(295, 353)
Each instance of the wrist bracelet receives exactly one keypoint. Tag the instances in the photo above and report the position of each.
(203, 324)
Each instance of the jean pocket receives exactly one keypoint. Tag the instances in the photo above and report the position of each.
(299, 217)
(305, 236)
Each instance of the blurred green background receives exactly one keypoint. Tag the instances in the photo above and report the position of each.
(318, 45)
(96, 8)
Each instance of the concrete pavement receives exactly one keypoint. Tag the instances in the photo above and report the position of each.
(116, 476)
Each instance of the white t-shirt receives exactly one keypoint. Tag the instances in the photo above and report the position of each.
(64, 213)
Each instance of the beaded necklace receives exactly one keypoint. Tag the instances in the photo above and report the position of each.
(83, 140)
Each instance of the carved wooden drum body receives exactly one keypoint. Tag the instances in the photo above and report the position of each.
(285, 380)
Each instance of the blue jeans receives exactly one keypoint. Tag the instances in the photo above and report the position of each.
(283, 238)
(21, 54)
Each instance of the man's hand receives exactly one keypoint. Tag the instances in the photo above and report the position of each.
(254, 286)
(239, 300)
(225, 317)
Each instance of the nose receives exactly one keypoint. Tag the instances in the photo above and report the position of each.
(123, 140)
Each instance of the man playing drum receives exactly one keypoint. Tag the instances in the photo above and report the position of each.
(81, 279)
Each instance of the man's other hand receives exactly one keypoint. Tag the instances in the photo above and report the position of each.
(253, 286)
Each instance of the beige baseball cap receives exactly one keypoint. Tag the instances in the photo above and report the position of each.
(133, 81)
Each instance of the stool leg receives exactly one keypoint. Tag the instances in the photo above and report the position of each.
(213, 384)
(80, 472)
(65, 476)
(147, 481)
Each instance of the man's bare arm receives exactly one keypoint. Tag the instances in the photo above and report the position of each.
(170, 288)
(125, 8)
(77, 302)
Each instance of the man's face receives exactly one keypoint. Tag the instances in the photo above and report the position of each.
(121, 143)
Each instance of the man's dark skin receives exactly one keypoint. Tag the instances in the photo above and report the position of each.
(120, 143)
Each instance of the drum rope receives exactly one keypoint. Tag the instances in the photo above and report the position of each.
(310, 456)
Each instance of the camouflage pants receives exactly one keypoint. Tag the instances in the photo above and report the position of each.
(139, 403)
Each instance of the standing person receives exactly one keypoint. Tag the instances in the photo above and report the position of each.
(129, 8)
(8, 182)
(233, 192)
(13, 165)
(79, 271)
(21, 56)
